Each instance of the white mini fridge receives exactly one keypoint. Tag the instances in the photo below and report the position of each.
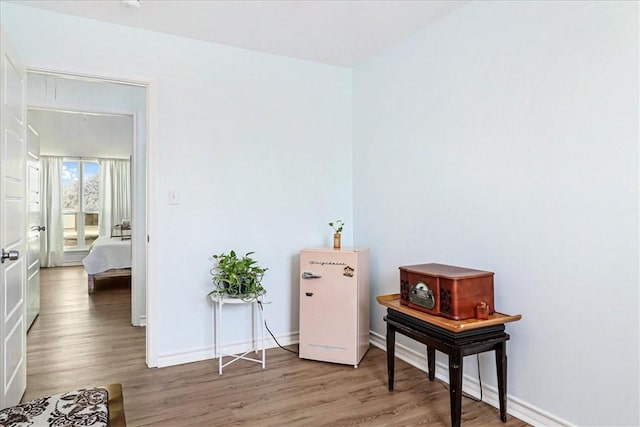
(334, 305)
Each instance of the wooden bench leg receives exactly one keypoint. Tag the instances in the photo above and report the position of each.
(501, 367)
(455, 387)
(391, 349)
(431, 362)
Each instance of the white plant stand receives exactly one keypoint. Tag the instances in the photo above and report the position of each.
(257, 317)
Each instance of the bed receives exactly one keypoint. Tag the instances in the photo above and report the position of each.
(108, 257)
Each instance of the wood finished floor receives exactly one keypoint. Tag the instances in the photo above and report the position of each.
(81, 340)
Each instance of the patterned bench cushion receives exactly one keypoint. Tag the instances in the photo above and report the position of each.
(85, 407)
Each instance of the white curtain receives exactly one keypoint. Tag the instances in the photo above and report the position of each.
(52, 244)
(115, 194)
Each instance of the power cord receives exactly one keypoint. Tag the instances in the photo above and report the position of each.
(271, 333)
(479, 381)
(295, 352)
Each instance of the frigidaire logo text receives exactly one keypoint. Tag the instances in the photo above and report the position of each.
(327, 262)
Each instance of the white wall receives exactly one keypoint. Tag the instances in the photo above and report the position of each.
(505, 137)
(257, 146)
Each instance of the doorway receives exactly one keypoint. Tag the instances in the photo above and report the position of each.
(81, 95)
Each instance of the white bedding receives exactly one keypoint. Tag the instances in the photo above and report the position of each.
(108, 253)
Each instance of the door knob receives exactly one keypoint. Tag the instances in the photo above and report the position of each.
(11, 255)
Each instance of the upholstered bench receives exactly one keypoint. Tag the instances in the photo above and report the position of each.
(96, 407)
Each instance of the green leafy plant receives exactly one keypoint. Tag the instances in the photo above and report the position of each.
(337, 225)
(237, 277)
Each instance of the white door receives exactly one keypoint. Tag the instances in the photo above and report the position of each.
(33, 227)
(13, 347)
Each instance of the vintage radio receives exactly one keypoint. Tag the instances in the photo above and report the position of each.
(445, 290)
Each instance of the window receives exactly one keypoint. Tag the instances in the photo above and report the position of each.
(80, 202)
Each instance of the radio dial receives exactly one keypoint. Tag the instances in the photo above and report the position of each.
(422, 295)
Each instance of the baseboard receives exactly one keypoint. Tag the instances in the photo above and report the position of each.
(142, 321)
(198, 355)
(73, 257)
(189, 356)
(515, 407)
(283, 340)
(75, 263)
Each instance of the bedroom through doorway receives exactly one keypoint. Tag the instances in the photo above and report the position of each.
(89, 124)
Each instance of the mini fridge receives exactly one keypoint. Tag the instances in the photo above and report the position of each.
(334, 305)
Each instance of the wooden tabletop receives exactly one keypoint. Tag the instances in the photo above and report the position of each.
(392, 301)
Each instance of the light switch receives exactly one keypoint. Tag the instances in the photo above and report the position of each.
(174, 198)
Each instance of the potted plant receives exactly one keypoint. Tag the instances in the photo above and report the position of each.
(237, 277)
(337, 228)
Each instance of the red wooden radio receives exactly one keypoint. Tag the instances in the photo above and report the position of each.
(444, 290)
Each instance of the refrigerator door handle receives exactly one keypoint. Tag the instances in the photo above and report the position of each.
(308, 275)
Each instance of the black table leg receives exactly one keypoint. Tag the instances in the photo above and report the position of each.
(455, 387)
(501, 367)
(456, 346)
(431, 362)
(391, 349)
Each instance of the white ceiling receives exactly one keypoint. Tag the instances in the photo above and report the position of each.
(76, 117)
(338, 32)
(83, 134)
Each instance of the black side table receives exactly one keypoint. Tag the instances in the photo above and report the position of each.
(454, 339)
